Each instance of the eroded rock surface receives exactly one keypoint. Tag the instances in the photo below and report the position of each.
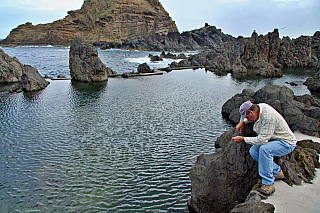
(85, 64)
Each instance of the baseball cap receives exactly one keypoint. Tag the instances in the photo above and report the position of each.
(243, 109)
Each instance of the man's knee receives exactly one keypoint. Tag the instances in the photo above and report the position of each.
(254, 151)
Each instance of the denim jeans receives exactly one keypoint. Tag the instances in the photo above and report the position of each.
(264, 154)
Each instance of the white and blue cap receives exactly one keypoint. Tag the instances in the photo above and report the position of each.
(244, 109)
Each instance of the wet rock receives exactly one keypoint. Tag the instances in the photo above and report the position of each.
(266, 54)
(11, 68)
(31, 80)
(144, 68)
(155, 58)
(168, 55)
(28, 78)
(84, 63)
(222, 180)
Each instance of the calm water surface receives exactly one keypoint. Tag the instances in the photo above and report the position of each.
(126, 145)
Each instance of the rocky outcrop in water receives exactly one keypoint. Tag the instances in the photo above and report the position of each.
(313, 83)
(222, 180)
(10, 68)
(266, 54)
(98, 21)
(208, 37)
(84, 63)
(27, 77)
(31, 80)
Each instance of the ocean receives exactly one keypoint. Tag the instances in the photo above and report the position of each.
(126, 145)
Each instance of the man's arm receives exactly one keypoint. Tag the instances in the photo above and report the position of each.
(238, 139)
(240, 126)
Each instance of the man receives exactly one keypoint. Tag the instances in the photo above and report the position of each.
(274, 139)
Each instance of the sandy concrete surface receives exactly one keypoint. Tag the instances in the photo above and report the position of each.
(297, 199)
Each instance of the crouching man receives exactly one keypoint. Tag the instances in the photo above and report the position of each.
(274, 139)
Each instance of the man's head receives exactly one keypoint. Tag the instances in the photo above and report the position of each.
(250, 111)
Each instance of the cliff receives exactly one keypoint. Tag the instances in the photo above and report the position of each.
(98, 21)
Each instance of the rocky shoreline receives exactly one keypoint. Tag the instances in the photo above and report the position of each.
(214, 176)
(222, 180)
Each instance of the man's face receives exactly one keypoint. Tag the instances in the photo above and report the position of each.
(252, 115)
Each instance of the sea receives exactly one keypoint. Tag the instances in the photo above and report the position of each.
(125, 145)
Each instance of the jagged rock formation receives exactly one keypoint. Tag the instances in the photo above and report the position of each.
(10, 68)
(27, 77)
(313, 83)
(84, 63)
(207, 37)
(301, 112)
(221, 180)
(98, 21)
(265, 54)
(31, 80)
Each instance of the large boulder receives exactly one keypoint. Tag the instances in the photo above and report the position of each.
(84, 63)
(144, 68)
(27, 77)
(222, 180)
(31, 80)
(313, 83)
(10, 68)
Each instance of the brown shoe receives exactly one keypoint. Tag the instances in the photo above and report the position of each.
(267, 189)
(279, 176)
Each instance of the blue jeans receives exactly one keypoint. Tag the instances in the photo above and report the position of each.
(264, 154)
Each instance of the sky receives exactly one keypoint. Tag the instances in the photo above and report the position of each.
(293, 18)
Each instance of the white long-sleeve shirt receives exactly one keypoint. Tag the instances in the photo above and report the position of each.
(270, 126)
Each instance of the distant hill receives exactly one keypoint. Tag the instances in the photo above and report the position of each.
(98, 21)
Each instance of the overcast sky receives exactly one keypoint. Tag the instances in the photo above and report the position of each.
(235, 17)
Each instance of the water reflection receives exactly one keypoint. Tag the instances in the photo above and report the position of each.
(125, 145)
(82, 93)
(33, 96)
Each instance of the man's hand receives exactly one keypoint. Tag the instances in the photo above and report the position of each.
(238, 139)
(240, 126)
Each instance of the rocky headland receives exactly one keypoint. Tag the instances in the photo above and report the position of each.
(227, 180)
(101, 21)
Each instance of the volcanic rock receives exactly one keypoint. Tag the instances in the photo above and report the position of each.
(302, 113)
(84, 63)
(10, 68)
(266, 54)
(27, 77)
(144, 68)
(221, 180)
(207, 37)
(98, 21)
(31, 80)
